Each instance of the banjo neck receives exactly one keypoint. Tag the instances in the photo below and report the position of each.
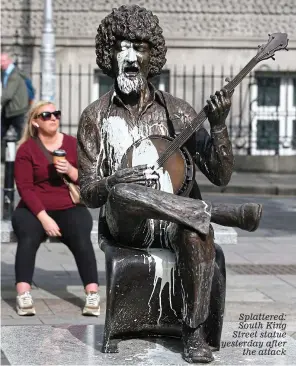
(276, 42)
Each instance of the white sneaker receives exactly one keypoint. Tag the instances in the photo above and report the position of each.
(25, 304)
(92, 304)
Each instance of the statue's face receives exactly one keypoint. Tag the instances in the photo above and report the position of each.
(131, 62)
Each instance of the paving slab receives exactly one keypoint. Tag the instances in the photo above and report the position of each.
(30, 320)
(236, 258)
(250, 246)
(4, 360)
(224, 235)
(279, 247)
(245, 295)
(71, 319)
(81, 344)
(291, 326)
(283, 240)
(254, 281)
(290, 279)
(270, 258)
(279, 294)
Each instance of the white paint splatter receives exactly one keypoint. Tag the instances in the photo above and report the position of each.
(127, 85)
(130, 56)
(151, 233)
(146, 153)
(162, 233)
(165, 181)
(184, 301)
(120, 137)
(165, 265)
(96, 170)
(160, 128)
(206, 207)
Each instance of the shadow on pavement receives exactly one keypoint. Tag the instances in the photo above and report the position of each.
(53, 282)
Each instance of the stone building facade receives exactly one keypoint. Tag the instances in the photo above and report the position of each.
(207, 40)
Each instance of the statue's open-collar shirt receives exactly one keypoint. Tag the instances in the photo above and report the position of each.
(108, 128)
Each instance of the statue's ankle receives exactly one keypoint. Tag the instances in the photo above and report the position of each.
(196, 349)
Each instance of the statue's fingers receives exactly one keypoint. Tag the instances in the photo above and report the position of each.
(141, 183)
(223, 100)
(227, 93)
(141, 167)
(152, 176)
(227, 97)
(215, 99)
(135, 172)
(217, 102)
(135, 180)
(211, 105)
(148, 171)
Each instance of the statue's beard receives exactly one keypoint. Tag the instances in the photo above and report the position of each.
(128, 86)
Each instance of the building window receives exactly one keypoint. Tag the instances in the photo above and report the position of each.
(294, 134)
(105, 83)
(268, 91)
(162, 81)
(294, 92)
(273, 112)
(267, 134)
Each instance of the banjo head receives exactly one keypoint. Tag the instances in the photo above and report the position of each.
(149, 149)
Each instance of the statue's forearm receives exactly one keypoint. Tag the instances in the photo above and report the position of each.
(95, 193)
(222, 156)
(93, 188)
(213, 154)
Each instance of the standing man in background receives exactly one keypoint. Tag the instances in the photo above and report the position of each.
(15, 97)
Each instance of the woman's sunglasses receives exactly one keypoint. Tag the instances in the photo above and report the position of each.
(46, 116)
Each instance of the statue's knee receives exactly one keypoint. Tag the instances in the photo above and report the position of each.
(203, 243)
(194, 236)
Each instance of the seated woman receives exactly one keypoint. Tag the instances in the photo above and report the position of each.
(46, 207)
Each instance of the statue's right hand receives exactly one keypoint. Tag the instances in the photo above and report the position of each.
(139, 174)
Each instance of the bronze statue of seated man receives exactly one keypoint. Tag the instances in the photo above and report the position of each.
(119, 164)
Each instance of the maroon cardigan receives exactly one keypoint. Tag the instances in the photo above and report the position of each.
(38, 184)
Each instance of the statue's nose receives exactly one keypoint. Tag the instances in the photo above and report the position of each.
(131, 56)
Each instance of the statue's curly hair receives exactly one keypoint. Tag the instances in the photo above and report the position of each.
(131, 23)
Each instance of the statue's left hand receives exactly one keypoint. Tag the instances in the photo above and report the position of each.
(219, 107)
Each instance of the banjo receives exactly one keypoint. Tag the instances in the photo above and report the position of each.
(173, 163)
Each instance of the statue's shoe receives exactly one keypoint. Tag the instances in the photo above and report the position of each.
(196, 349)
(198, 354)
(245, 216)
(250, 216)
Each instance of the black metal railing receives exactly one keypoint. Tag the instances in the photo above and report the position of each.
(261, 120)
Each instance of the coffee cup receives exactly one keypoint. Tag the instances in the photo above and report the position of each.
(58, 155)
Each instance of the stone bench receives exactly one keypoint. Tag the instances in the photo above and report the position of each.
(223, 235)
